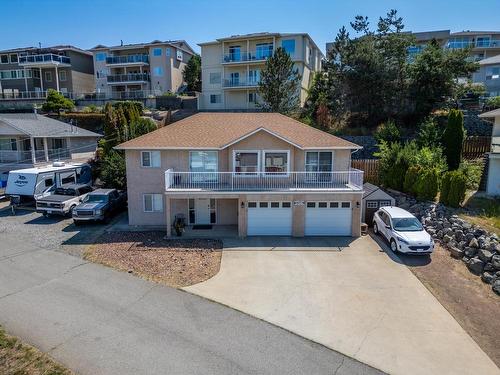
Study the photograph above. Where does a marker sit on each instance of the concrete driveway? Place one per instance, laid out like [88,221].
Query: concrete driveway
[99,321]
[359,301]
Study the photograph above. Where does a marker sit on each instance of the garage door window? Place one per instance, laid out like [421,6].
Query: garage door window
[286,204]
[372,204]
[334,204]
[263,204]
[385,203]
[252,204]
[275,204]
[311,204]
[346,204]
[322,204]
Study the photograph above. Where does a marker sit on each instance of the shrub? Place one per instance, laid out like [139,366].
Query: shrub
[395,159]
[453,188]
[427,184]
[472,170]
[411,177]
[127,104]
[429,158]
[90,121]
[430,133]
[113,170]
[56,102]
[388,132]
[493,102]
[453,138]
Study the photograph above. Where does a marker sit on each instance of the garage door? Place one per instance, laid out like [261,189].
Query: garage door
[328,219]
[269,219]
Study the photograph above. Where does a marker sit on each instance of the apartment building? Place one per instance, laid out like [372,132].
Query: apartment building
[489,75]
[27,73]
[140,70]
[231,67]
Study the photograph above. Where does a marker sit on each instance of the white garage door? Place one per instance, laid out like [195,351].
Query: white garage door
[269,219]
[328,219]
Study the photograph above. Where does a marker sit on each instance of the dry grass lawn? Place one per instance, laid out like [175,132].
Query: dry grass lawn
[174,262]
[17,358]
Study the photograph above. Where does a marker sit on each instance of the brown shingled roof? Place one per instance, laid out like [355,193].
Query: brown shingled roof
[219,130]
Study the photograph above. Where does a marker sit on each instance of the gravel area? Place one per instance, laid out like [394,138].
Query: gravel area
[464,295]
[176,263]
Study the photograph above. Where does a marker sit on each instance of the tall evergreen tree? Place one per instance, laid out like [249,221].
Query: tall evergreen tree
[192,73]
[279,87]
[453,138]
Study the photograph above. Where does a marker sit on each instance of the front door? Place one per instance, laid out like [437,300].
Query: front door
[202,208]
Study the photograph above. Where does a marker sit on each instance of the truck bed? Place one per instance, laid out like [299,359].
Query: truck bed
[56,198]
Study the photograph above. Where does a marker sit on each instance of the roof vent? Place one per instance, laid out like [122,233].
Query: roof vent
[58,164]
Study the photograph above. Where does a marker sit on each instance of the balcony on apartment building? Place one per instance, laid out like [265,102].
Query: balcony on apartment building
[120,79]
[351,180]
[44,60]
[238,56]
[471,43]
[240,83]
[128,60]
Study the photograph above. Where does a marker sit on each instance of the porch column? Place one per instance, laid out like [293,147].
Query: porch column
[242,217]
[168,217]
[41,79]
[33,155]
[57,79]
[26,80]
[46,149]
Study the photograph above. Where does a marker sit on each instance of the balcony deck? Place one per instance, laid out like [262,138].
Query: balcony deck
[291,182]
[44,60]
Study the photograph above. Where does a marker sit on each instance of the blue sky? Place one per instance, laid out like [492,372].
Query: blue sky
[86,23]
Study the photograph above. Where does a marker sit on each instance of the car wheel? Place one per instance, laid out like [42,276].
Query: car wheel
[394,246]
[76,222]
[70,212]
[375,228]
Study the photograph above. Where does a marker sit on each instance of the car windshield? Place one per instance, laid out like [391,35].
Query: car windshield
[95,198]
[63,191]
[407,224]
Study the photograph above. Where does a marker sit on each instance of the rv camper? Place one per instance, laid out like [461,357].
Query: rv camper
[32,183]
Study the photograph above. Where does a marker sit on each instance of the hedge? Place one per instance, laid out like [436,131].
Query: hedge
[411,177]
[453,188]
[89,121]
[427,185]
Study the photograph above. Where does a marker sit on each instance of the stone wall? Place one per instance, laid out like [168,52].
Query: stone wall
[477,248]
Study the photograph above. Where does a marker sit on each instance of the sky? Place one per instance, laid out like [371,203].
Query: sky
[86,23]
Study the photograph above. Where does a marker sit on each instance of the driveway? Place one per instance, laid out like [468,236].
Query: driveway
[359,301]
[96,320]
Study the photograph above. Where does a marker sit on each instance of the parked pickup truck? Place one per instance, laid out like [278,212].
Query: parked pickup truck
[63,200]
[100,205]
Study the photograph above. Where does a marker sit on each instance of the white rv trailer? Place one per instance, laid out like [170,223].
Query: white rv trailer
[32,183]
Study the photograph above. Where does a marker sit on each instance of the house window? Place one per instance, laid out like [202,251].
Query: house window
[252,97]
[288,45]
[372,204]
[48,76]
[234,53]
[385,203]
[234,79]
[156,51]
[246,162]
[276,162]
[8,144]
[13,58]
[253,77]
[215,78]
[215,98]
[167,52]
[62,75]
[153,202]
[179,55]
[319,161]
[101,56]
[150,159]
[203,161]
[158,71]
[493,72]
[4,59]
[264,50]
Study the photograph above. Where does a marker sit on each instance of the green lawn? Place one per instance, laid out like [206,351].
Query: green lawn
[17,358]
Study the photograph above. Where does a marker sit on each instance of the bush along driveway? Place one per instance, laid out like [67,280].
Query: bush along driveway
[478,248]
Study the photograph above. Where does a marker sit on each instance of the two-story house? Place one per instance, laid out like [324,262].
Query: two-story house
[140,70]
[493,183]
[260,173]
[231,67]
[489,75]
[27,73]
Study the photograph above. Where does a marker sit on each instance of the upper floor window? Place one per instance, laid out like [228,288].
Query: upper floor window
[264,50]
[288,45]
[276,162]
[319,161]
[150,159]
[493,72]
[234,53]
[13,58]
[179,55]
[203,161]
[156,51]
[215,78]
[100,56]
[246,162]
[158,71]
[167,52]
[48,76]
[4,59]
[62,75]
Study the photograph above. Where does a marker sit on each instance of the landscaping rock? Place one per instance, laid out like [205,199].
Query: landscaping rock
[476,266]
[488,277]
[470,251]
[456,252]
[474,243]
[485,255]
[447,238]
[495,261]
[489,267]
[496,286]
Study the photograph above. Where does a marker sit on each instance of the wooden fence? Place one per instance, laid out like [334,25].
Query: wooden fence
[475,147]
[370,167]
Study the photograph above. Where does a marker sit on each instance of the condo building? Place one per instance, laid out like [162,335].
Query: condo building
[231,67]
[139,70]
[27,73]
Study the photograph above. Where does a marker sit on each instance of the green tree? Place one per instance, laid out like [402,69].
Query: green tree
[56,102]
[192,73]
[279,87]
[388,132]
[430,133]
[113,173]
[453,138]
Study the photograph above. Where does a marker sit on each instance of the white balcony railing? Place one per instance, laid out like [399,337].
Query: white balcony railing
[251,82]
[244,56]
[264,181]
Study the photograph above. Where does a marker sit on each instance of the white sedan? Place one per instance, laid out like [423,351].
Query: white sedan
[403,231]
